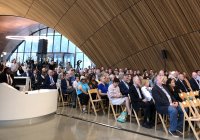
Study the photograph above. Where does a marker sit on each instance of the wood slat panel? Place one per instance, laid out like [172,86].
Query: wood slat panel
[48,12]
[14,7]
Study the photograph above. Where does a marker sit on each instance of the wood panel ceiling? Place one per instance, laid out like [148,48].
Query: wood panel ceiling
[122,33]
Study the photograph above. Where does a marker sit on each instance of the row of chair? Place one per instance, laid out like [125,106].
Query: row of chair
[192,116]
[189,101]
[97,104]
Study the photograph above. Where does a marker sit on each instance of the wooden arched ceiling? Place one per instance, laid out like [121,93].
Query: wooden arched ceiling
[122,33]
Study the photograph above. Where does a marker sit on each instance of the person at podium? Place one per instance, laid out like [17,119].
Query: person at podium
[7,77]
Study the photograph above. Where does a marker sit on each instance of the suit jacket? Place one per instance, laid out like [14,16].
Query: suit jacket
[55,77]
[135,100]
[47,83]
[161,101]
[25,74]
[3,78]
[181,87]
[35,82]
[123,89]
[64,86]
[194,85]
[41,81]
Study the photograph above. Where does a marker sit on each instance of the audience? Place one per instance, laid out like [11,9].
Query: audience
[158,91]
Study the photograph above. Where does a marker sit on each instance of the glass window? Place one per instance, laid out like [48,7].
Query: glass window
[71,47]
[69,57]
[20,57]
[57,33]
[36,34]
[79,56]
[78,50]
[87,61]
[26,56]
[58,58]
[28,46]
[50,43]
[64,45]
[35,46]
[56,46]
[65,50]
[13,56]
[43,32]
[50,31]
[21,47]
[34,56]
[50,56]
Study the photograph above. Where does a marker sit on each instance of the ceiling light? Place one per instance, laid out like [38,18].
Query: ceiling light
[27,38]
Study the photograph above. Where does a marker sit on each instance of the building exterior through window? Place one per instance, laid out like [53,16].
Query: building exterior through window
[59,49]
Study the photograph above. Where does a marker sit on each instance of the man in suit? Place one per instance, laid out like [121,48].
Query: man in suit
[138,101]
[194,82]
[27,73]
[123,85]
[166,104]
[49,82]
[7,77]
[35,80]
[68,89]
[41,78]
[181,84]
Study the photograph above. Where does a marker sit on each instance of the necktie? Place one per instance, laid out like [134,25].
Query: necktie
[184,86]
[197,83]
[52,82]
[126,85]
[138,91]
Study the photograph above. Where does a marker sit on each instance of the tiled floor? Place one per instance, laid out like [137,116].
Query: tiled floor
[73,125]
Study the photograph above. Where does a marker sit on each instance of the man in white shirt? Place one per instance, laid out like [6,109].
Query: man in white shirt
[14,66]
[75,83]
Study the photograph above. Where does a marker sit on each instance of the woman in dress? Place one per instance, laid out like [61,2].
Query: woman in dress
[116,97]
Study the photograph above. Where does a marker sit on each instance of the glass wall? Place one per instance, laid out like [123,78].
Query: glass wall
[59,49]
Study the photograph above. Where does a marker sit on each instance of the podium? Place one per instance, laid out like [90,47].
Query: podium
[24,83]
[16,105]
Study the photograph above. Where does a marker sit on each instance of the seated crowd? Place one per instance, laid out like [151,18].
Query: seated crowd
[147,91]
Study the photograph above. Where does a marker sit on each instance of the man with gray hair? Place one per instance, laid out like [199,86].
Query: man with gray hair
[138,101]
[49,81]
[166,104]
